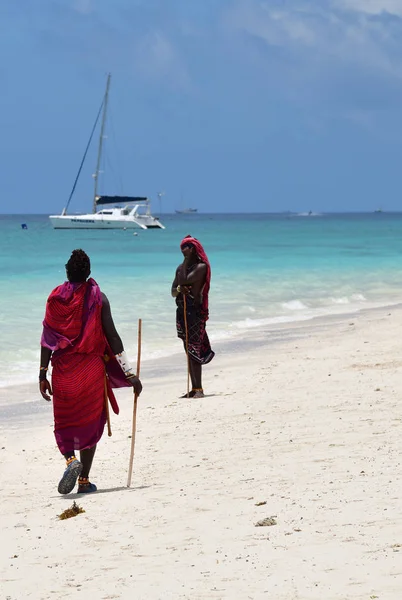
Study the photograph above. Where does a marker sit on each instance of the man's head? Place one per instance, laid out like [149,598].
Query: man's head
[78,267]
[187,247]
[188,250]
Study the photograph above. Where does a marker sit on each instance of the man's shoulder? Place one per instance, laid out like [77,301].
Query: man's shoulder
[57,291]
[104,298]
[201,268]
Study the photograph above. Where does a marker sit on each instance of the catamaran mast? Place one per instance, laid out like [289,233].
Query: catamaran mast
[96,175]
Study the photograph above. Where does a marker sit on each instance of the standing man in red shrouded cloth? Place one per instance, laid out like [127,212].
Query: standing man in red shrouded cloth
[78,333]
[192,280]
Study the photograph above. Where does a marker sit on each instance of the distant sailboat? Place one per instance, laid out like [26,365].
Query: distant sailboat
[186,211]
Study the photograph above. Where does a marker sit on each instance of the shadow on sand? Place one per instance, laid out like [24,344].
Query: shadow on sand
[204,396]
[121,488]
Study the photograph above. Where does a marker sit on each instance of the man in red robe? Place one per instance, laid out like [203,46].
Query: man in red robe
[190,287]
[78,331]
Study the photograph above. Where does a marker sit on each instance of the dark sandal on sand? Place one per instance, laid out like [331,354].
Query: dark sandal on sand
[85,486]
[195,393]
[68,481]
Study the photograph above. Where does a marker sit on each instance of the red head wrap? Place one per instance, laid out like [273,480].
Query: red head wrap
[202,257]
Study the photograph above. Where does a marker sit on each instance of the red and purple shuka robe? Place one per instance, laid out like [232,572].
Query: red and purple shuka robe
[72,329]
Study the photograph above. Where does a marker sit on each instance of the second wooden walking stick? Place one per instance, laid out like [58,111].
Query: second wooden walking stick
[130,467]
[188,358]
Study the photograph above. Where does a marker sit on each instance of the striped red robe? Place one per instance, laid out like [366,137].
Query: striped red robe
[72,329]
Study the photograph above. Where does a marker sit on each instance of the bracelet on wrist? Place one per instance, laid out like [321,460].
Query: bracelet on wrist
[129,374]
[124,363]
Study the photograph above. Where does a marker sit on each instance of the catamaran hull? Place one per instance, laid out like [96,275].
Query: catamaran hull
[88,222]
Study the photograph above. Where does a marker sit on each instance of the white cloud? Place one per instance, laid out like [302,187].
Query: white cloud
[371,7]
[83,6]
[318,33]
[157,58]
[273,26]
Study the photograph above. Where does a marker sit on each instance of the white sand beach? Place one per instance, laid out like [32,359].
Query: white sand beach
[307,430]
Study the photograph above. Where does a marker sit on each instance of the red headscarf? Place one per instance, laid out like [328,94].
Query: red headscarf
[204,259]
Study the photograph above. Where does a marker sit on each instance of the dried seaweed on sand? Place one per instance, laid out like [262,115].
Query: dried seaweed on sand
[73,511]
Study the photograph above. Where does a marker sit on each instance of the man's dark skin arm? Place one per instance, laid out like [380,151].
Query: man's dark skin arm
[114,339]
[109,329]
[175,283]
[44,386]
[183,289]
[195,280]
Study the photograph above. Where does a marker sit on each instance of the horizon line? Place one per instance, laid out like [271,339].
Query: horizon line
[194,216]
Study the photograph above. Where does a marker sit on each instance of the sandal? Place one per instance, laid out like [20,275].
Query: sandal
[85,486]
[70,475]
[194,393]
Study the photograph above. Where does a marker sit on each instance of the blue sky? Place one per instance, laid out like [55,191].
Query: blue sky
[232,105]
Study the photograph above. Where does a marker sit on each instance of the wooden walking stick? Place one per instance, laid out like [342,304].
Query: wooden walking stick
[109,429]
[130,467]
[188,358]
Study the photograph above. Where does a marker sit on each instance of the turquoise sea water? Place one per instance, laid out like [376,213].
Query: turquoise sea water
[266,269]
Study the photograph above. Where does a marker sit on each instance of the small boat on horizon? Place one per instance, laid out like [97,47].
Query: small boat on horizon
[310,213]
[186,211]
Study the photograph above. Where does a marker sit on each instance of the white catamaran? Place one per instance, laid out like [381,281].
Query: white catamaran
[117,212]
